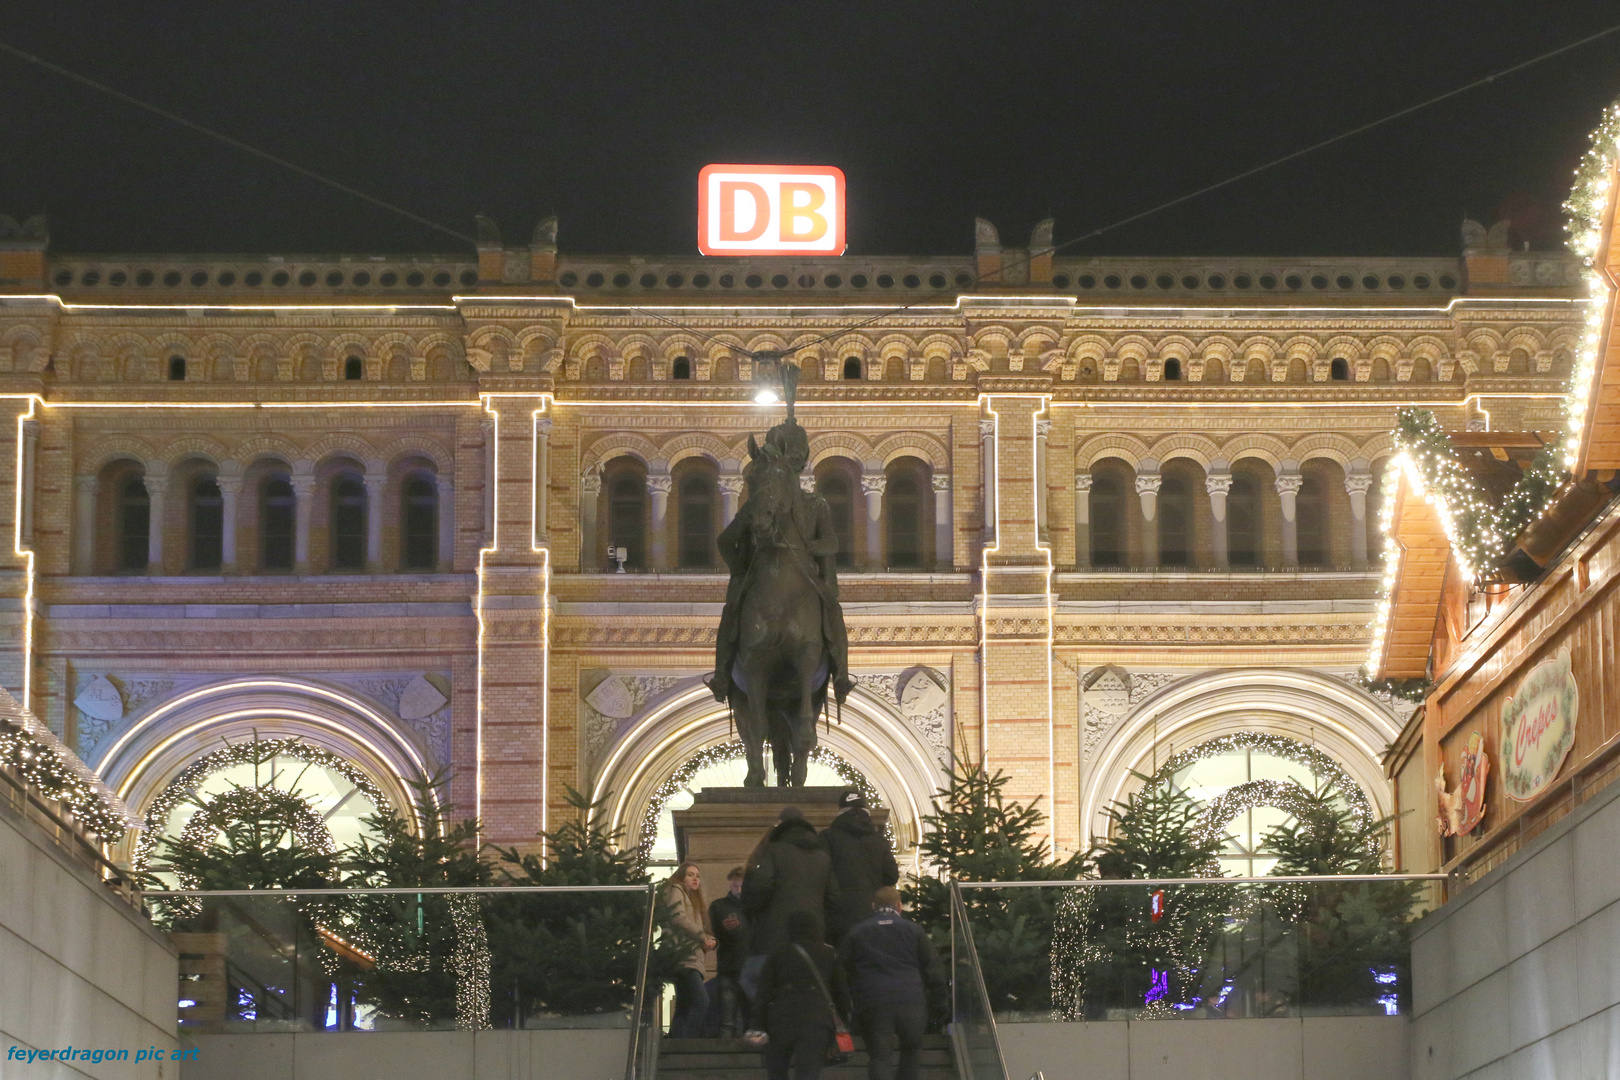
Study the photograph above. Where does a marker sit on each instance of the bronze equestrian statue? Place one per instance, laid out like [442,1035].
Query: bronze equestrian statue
[782,641]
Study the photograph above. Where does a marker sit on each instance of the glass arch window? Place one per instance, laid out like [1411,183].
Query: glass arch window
[348,523]
[207,521]
[134,525]
[697,523]
[681,369]
[419,524]
[852,368]
[278,515]
[1231,763]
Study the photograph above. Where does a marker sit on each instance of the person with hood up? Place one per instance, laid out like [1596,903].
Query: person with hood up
[862,863]
[789,871]
[798,1019]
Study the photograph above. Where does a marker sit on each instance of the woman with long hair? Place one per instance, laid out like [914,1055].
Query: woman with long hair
[683,894]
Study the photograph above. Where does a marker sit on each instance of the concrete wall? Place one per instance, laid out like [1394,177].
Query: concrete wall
[1520,976]
[78,967]
[1316,1048]
[586,1054]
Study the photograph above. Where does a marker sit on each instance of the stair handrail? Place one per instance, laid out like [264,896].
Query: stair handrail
[959,1036]
[642,1033]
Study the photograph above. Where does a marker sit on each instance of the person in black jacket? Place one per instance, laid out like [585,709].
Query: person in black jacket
[797,1018]
[896,974]
[729,925]
[862,863]
[791,871]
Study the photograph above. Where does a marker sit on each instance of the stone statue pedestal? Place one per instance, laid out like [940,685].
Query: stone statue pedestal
[723,825]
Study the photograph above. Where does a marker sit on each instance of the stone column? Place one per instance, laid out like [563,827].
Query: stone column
[731,486]
[303,485]
[659,485]
[1082,520]
[1288,485]
[590,487]
[1043,428]
[943,556]
[84,524]
[872,485]
[376,484]
[1147,487]
[230,486]
[1218,484]
[987,474]
[1357,484]
[447,524]
[542,481]
[157,485]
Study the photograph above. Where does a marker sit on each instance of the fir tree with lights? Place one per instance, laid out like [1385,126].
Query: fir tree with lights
[978,834]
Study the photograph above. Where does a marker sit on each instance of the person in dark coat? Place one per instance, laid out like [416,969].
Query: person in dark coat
[862,863]
[729,924]
[896,974]
[791,871]
[796,1014]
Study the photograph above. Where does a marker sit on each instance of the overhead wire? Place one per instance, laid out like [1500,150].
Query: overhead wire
[228,140]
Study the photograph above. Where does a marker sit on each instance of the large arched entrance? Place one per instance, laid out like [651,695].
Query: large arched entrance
[873,743]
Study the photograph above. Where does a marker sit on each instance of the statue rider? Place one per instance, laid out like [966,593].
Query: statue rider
[736,546]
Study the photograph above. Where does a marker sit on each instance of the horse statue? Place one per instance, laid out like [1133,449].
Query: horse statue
[782,642]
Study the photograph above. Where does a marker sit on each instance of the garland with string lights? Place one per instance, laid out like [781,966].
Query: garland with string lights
[1326,770]
[1586,208]
[722,753]
[251,752]
[52,772]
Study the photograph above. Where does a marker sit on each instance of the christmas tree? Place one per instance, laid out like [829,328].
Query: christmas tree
[980,835]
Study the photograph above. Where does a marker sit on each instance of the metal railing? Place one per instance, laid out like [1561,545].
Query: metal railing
[976,1045]
[641,1058]
[414,958]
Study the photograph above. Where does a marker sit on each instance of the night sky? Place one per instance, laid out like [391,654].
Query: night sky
[603,113]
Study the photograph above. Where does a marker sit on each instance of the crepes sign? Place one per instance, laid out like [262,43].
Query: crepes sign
[1538,728]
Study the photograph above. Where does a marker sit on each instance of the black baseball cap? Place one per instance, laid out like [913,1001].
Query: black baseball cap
[851,799]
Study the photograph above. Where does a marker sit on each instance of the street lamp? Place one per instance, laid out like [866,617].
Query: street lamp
[775,379]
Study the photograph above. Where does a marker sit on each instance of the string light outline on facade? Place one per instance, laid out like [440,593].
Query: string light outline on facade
[540,489]
[494,482]
[27,555]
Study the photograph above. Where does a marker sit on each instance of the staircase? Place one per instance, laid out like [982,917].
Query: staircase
[729,1059]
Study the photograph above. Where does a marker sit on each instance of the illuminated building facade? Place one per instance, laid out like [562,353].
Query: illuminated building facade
[1100,516]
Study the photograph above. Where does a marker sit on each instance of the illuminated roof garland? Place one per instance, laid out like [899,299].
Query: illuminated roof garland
[1478,531]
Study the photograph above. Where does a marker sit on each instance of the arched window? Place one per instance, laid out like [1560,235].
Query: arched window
[681,369]
[419,524]
[134,524]
[1175,514]
[1172,370]
[1107,521]
[207,521]
[1339,370]
[1311,522]
[903,499]
[278,518]
[627,516]
[353,369]
[1243,517]
[836,490]
[697,523]
[348,523]
[852,367]
[177,369]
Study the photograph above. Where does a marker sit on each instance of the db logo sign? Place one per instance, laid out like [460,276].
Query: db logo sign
[771,210]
